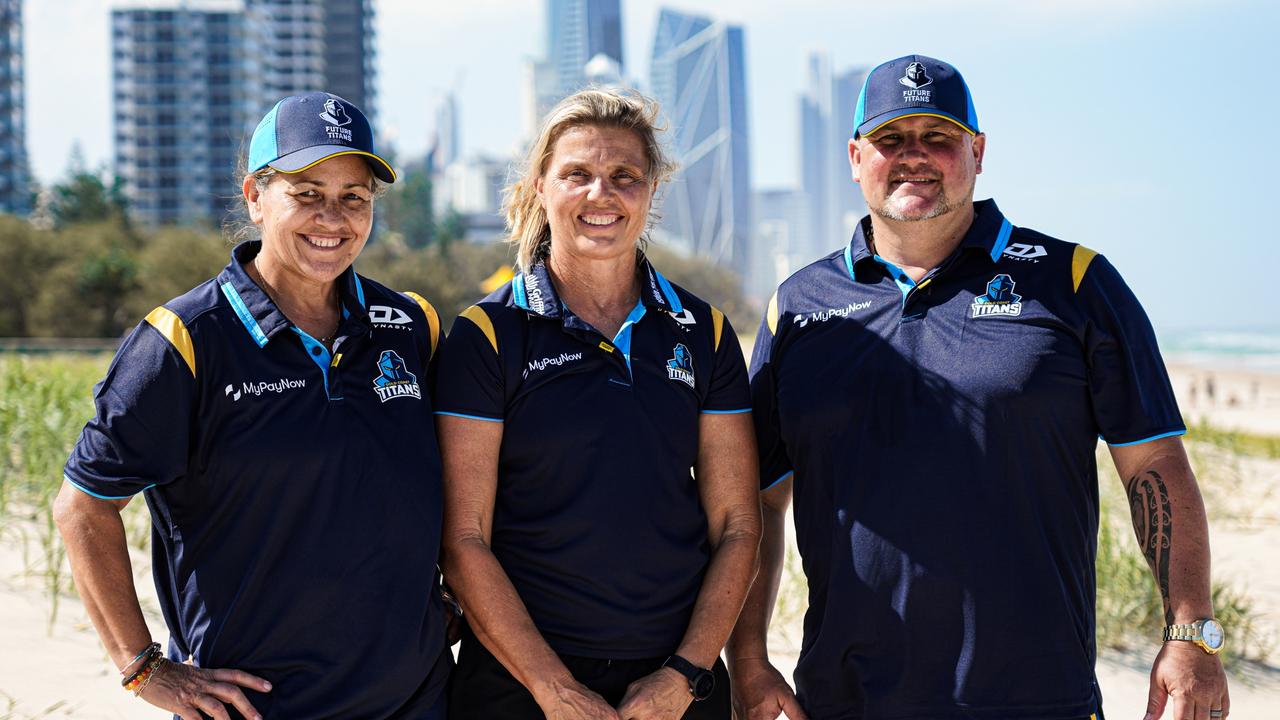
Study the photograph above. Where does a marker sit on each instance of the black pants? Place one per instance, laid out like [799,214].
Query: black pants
[482,689]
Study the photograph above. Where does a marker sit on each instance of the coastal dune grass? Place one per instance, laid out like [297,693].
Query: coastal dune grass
[46,400]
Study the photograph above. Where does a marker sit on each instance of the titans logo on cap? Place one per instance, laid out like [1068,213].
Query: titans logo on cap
[915,77]
[335,114]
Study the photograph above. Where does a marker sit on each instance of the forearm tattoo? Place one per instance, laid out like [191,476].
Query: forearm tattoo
[1153,524]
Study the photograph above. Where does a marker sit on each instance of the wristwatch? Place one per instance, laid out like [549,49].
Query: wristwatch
[1207,633]
[701,682]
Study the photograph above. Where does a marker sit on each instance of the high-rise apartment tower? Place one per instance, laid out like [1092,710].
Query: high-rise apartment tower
[15,187]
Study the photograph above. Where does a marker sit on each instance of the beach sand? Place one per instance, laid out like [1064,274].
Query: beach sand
[1230,398]
[60,670]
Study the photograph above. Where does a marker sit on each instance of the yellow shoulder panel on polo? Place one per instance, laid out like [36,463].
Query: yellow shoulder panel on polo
[771,315]
[1080,260]
[175,331]
[433,319]
[717,324]
[480,318]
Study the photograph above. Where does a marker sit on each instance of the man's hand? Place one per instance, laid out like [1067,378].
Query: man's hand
[761,693]
[661,695]
[1194,680]
[573,701]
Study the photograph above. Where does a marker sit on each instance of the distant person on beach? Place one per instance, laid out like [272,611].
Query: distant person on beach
[599,577]
[278,421]
[933,393]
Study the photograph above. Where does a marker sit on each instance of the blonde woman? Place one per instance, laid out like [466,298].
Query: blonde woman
[600,578]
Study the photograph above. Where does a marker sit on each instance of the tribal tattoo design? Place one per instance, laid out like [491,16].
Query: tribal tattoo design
[1153,524]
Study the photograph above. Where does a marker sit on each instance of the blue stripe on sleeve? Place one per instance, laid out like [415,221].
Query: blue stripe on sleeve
[469,417]
[726,412]
[775,482]
[87,491]
[1171,433]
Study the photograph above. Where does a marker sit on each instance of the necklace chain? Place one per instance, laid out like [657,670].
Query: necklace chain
[266,286]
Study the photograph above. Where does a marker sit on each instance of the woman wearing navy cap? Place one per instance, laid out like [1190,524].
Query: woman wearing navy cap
[602,521]
[277,420]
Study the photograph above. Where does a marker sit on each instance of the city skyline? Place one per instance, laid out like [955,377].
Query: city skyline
[1092,108]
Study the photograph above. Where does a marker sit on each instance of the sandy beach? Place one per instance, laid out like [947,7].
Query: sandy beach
[54,670]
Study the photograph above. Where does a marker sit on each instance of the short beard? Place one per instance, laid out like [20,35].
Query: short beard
[941,207]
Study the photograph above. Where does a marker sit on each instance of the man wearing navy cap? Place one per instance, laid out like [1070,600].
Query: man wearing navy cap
[933,393]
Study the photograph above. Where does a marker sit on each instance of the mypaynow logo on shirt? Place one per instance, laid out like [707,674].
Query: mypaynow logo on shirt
[536,365]
[825,315]
[260,388]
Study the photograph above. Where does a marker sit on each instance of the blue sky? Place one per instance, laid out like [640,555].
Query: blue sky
[1145,129]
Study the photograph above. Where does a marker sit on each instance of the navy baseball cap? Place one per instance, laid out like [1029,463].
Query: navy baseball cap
[912,86]
[302,130]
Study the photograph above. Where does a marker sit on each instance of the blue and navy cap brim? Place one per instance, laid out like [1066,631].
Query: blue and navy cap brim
[306,158]
[869,127]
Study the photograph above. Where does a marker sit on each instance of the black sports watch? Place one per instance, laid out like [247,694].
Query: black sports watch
[701,682]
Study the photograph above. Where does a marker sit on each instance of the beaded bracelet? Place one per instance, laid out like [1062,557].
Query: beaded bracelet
[153,647]
[138,678]
[141,679]
[150,676]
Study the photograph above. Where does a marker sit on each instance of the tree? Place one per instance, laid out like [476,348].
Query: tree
[171,261]
[406,208]
[24,253]
[85,198]
[91,270]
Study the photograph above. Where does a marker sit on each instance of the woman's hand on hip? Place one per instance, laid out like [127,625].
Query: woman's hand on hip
[661,695]
[188,691]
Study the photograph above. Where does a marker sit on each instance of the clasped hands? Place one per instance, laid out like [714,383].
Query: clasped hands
[661,695]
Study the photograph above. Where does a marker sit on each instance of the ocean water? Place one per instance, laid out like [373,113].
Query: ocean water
[1257,350]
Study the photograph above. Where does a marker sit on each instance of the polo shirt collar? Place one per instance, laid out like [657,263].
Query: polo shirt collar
[534,292]
[257,312]
[988,235]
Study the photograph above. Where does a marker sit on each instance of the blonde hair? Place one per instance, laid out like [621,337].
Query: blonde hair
[527,225]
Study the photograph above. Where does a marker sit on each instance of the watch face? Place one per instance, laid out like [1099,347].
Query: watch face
[1213,634]
[703,685]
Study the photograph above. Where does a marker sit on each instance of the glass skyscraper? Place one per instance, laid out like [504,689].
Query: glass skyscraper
[578,31]
[181,108]
[191,81]
[349,53]
[831,203]
[698,74]
[15,187]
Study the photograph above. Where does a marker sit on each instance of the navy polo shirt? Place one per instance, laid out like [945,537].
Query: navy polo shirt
[597,519]
[295,494]
[942,436]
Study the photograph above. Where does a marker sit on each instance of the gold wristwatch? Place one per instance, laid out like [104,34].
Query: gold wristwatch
[1207,633]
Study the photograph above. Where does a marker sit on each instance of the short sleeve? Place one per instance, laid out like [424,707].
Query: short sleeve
[140,434]
[774,463]
[470,382]
[429,339]
[729,392]
[1132,397]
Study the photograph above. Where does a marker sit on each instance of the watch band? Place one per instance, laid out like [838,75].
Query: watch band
[1182,632]
[1206,634]
[701,680]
